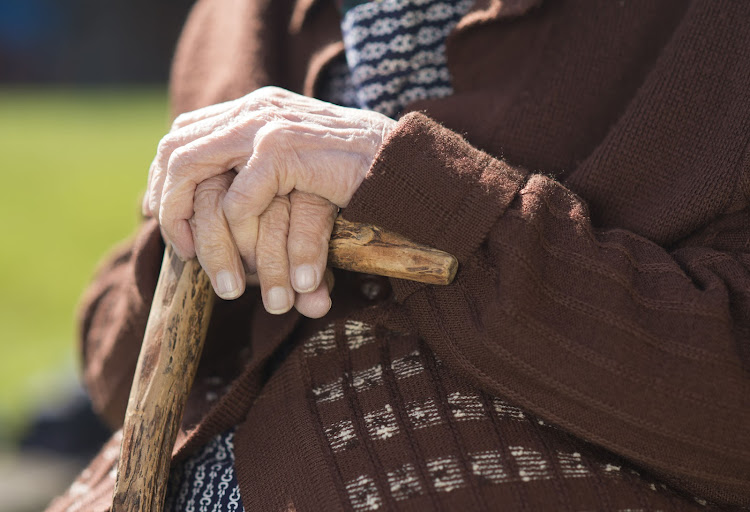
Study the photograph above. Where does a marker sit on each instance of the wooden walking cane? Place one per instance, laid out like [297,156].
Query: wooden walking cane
[174,338]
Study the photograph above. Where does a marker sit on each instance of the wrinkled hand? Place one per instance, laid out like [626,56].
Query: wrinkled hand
[253,185]
[292,230]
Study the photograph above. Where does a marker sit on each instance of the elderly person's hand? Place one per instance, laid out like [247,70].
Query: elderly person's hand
[253,185]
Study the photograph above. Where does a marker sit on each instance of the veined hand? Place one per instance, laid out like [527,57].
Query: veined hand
[252,186]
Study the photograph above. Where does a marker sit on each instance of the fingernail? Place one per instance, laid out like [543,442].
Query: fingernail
[277,300]
[305,278]
[226,285]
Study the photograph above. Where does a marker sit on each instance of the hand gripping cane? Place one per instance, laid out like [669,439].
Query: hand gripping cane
[174,339]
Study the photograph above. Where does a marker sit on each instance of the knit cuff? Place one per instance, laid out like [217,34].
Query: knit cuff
[431,186]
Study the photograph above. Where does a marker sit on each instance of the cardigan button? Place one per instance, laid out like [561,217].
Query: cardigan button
[374,288]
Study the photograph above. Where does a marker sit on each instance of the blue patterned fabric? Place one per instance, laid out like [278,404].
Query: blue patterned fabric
[394,53]
[206,482]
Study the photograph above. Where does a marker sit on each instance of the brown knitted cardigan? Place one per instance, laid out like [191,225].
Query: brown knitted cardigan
[591,173]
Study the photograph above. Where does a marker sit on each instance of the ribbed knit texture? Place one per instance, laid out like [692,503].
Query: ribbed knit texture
[590,172]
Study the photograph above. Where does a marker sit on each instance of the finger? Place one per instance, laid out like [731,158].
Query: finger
[189,165]
[173,140]
[268,174]
[188,118]
[243,222]
[271,257]
[310,226]
[213,127]
[181,121]
[316,304]
[214,246]
[287,157]
[203,122]
[259,185]
[145,208]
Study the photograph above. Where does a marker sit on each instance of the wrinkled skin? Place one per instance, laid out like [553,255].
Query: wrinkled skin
[252,187]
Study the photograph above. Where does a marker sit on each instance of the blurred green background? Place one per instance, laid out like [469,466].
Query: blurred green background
[74,164]
[83,105]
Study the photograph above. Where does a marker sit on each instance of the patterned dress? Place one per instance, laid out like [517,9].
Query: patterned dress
[395,53]
[206,482]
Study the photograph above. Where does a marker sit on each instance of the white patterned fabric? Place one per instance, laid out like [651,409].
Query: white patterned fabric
[395,54]
[206,482]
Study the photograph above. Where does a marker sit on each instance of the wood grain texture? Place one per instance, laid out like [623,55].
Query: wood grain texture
[166,368]
[369,249]
[174,338]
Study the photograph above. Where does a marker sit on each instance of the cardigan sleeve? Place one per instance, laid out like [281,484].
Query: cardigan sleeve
[113,315]
[114,312]
[628,345]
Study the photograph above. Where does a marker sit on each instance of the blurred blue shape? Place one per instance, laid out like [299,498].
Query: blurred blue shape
[25,24]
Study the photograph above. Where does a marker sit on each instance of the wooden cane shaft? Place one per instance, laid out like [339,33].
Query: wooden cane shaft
[174,338]
[170,352]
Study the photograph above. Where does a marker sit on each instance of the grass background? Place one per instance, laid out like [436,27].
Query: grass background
[74,163]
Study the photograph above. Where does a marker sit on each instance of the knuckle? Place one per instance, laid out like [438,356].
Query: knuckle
[310,232]
[261,100]
[166,209]
[271,263]
[251,108]
[171,206]
[321,226]
[206,198]
[315,208]
[167,145]
[271,91]
[166,221]
[233,131]
[214,184]
[234,205]
[213,250]
[307,242]
[305,248]
[312,229]
[281,203]
[181,121]
[306,201]
[276,215]
[179,161]
[274,230]
[276,153]
[269,135]
[241,110]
